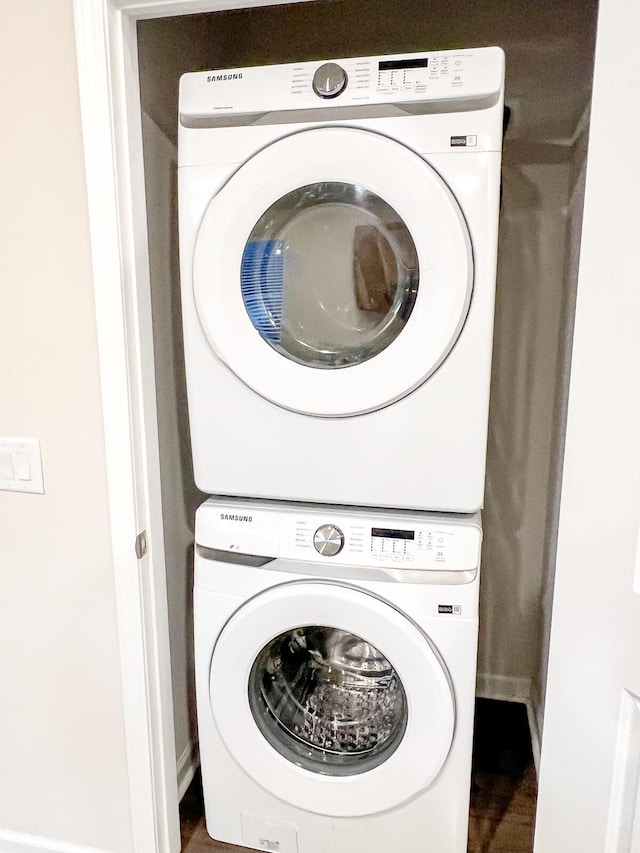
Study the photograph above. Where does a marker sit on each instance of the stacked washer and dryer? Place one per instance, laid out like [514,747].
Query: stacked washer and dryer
[338,238]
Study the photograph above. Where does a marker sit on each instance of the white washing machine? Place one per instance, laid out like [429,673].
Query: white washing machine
[335,659]
[338,232]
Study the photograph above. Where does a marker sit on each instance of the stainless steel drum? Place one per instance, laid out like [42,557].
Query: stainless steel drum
[328,700]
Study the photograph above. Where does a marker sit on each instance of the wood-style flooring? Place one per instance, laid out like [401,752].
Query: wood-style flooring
[503,788]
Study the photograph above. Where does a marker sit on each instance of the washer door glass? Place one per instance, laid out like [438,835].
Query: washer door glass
[328,700]
[329,275]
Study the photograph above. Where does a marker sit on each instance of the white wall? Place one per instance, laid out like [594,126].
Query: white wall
[63,770]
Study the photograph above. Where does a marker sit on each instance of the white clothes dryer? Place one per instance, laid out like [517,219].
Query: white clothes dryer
[338,234]
[335,654]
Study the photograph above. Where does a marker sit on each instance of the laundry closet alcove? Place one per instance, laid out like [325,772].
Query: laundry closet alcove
[549,55]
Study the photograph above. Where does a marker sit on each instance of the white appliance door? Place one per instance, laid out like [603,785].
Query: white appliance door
[331,699]
[333,272]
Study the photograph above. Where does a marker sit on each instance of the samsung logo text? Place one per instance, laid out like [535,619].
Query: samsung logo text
[228,517]
[215,78]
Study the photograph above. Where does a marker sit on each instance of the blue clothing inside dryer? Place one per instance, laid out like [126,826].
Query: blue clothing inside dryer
[261,277]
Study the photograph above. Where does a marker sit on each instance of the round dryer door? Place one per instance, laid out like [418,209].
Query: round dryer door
[333,272]
[331,699]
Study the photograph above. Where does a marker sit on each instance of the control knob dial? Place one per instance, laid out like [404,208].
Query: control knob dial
[329,80]
[328,540]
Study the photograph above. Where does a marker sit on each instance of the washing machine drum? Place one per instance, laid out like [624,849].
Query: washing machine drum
[333,271]
[331,699]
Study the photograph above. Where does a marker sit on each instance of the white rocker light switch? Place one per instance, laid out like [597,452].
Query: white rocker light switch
[21,465]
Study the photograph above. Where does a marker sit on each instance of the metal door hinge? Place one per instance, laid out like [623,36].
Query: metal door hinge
[141,544]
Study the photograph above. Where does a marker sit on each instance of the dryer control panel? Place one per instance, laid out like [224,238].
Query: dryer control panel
[328,534]
[405,80]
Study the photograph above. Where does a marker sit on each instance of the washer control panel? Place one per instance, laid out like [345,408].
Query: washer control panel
[382,538]
[468,75]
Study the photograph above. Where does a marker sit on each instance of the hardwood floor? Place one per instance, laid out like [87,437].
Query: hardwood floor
[503,788]
[503,783]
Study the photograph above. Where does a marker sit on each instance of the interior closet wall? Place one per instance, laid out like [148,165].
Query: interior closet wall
[529,295]
[179,495]
[549,48]
[577,175]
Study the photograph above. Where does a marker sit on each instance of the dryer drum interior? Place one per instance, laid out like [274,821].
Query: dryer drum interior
[329,275]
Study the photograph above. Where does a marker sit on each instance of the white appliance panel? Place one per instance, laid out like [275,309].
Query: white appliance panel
[377,540]
[410,79]
[254,795]
[331,415]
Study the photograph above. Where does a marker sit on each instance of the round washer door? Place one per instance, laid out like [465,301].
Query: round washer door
[331,699]
[333,271]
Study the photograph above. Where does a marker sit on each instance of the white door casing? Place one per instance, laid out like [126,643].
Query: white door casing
[590,763]
[107,55]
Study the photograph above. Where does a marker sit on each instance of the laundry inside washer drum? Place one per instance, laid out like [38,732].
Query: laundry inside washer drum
[328,700]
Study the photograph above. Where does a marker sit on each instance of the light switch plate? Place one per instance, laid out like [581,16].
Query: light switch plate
[21,465]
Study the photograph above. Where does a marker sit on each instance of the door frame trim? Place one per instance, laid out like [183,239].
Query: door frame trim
[107,58]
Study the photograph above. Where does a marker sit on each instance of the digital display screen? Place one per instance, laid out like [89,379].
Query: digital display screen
[393,534]
[401,64]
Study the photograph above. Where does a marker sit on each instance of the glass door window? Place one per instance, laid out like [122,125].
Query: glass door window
[328,700]
[329,275]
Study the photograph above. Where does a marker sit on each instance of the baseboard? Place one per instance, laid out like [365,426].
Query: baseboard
[504,688]
[186,767]
[19,842]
